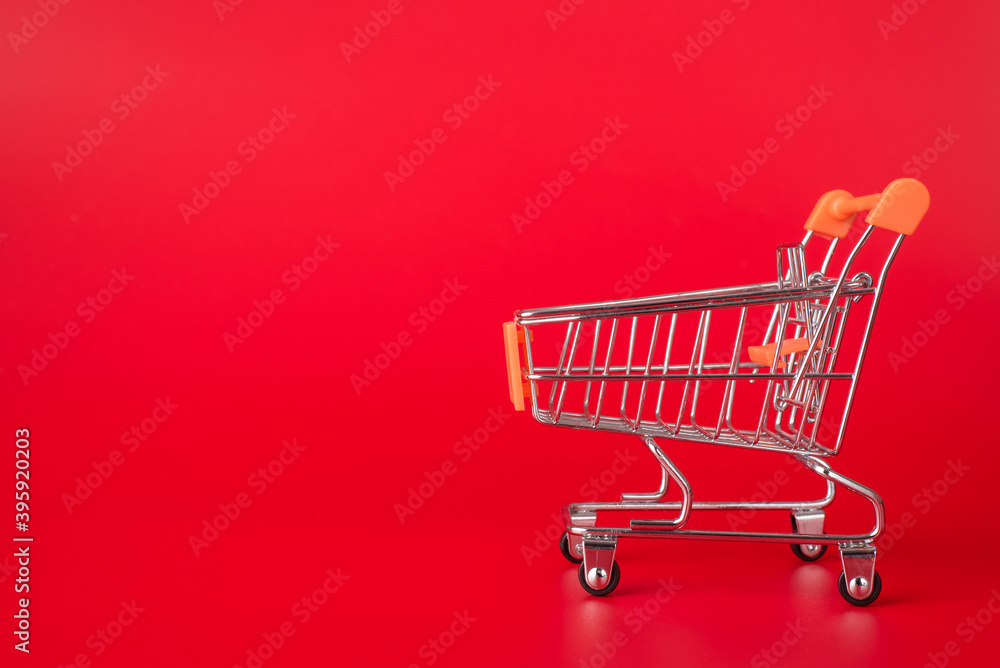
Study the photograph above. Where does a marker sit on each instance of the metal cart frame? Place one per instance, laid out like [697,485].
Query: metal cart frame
[637,354]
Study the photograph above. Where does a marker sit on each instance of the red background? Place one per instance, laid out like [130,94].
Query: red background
[324,176]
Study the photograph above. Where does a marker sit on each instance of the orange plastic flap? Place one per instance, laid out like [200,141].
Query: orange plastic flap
[764,355]
[903,204]
[826,221]
[513,336]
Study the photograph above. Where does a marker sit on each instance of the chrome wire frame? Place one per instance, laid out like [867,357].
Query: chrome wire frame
[580,519]
[815,306]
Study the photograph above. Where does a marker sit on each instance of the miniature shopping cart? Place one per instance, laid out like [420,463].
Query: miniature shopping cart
[770,366]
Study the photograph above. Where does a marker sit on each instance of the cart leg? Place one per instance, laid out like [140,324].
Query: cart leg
[599,572]
[571,544]
[822,468]
[860,583]
[668,469]
[574,516]
[650,496]
[575,546]
[810,523]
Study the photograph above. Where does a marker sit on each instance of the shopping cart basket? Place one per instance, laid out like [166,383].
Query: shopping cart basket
[649,367]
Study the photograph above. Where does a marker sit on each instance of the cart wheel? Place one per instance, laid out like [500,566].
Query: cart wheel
[876,590]
[564,548]
[806,552]
[610,587]
[809,552]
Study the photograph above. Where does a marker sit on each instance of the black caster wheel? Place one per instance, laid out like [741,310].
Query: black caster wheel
[608,588]
[876,590]
[564,548]
[806,552]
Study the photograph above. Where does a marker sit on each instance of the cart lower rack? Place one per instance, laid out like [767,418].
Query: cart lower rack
[756,366]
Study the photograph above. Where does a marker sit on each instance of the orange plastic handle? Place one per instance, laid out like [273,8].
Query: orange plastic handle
[513,336]
[899,208]
[764,355]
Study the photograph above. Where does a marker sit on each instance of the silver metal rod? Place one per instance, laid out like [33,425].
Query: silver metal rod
[649,363]
[684,376]
[631,349]
[604,376]
[763,293]
[833,297]
[666,367]
[590,368]
[864,340]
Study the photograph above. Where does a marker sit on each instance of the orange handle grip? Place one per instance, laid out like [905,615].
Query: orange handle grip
[513,336]
[764,355]
[899,208]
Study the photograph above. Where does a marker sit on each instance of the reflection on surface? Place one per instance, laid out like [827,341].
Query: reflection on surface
[811,582]
[818,601]
[861,626]
[598,628]
[590,620]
